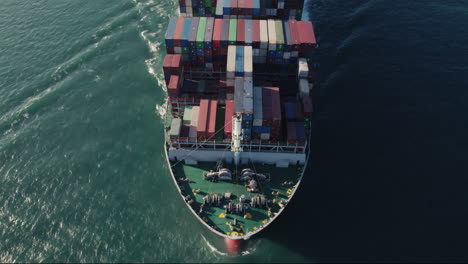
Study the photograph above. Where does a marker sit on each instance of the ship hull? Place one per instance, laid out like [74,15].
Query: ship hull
[229,240]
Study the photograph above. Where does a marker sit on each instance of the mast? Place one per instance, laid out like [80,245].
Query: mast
[236,137]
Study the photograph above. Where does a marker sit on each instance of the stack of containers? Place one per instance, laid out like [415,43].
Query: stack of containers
[202,124]
[220,43]
[295,132]
[274,9]
[211,124]
[176,126]
[187,119]
[169,38]
[228,118]
[276,43]
[203,42]
[302,74]
[247,108]
[206,123]
[192,41]
[232,31]
[271,41]
[308,41]
[243,103]
[197,8]
[293,41]
[173,73]
[260,41]
[200,42]
[184,40]
[239,64]
[172,65]
[248,32]
[271,112]
[194,123]
[259,129]
[240,32]
[208,45]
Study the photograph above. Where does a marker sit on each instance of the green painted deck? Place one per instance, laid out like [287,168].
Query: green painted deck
[191,178]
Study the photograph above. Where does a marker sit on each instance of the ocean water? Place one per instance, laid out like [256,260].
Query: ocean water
[82,170]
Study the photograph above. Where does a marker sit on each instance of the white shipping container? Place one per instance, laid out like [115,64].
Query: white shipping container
[219,7]
[248,63]
[231,62]
[188,3]
[302,68]
[263,34]
[194,122]
[304,88]
[271,34]
[178,50]
[176,125]
[230,96]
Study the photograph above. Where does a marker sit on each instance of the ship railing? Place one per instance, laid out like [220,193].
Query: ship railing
[225,145]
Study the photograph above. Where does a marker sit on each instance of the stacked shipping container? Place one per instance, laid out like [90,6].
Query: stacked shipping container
[203,42]
[197,8]
[234,41]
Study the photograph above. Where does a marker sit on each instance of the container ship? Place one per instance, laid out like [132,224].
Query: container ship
[239,75]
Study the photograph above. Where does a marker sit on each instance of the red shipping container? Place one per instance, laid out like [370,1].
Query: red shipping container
[240,31]
[234,7]
[176,65]
[307,35]
[173,87]
[203,118]
[167,64]
[218,25]
[256,34]
[178,31]
[228,118]
[212,118]
[296,40]
[242,7]
[275,103]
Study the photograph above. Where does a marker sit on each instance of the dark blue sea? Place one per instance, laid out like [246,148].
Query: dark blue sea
[83,176]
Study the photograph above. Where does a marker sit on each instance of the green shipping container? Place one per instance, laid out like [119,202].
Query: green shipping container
[201,33]
[279,35]
[233,31]
[207,3]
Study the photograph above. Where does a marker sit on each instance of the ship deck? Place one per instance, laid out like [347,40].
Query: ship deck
[190,178]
